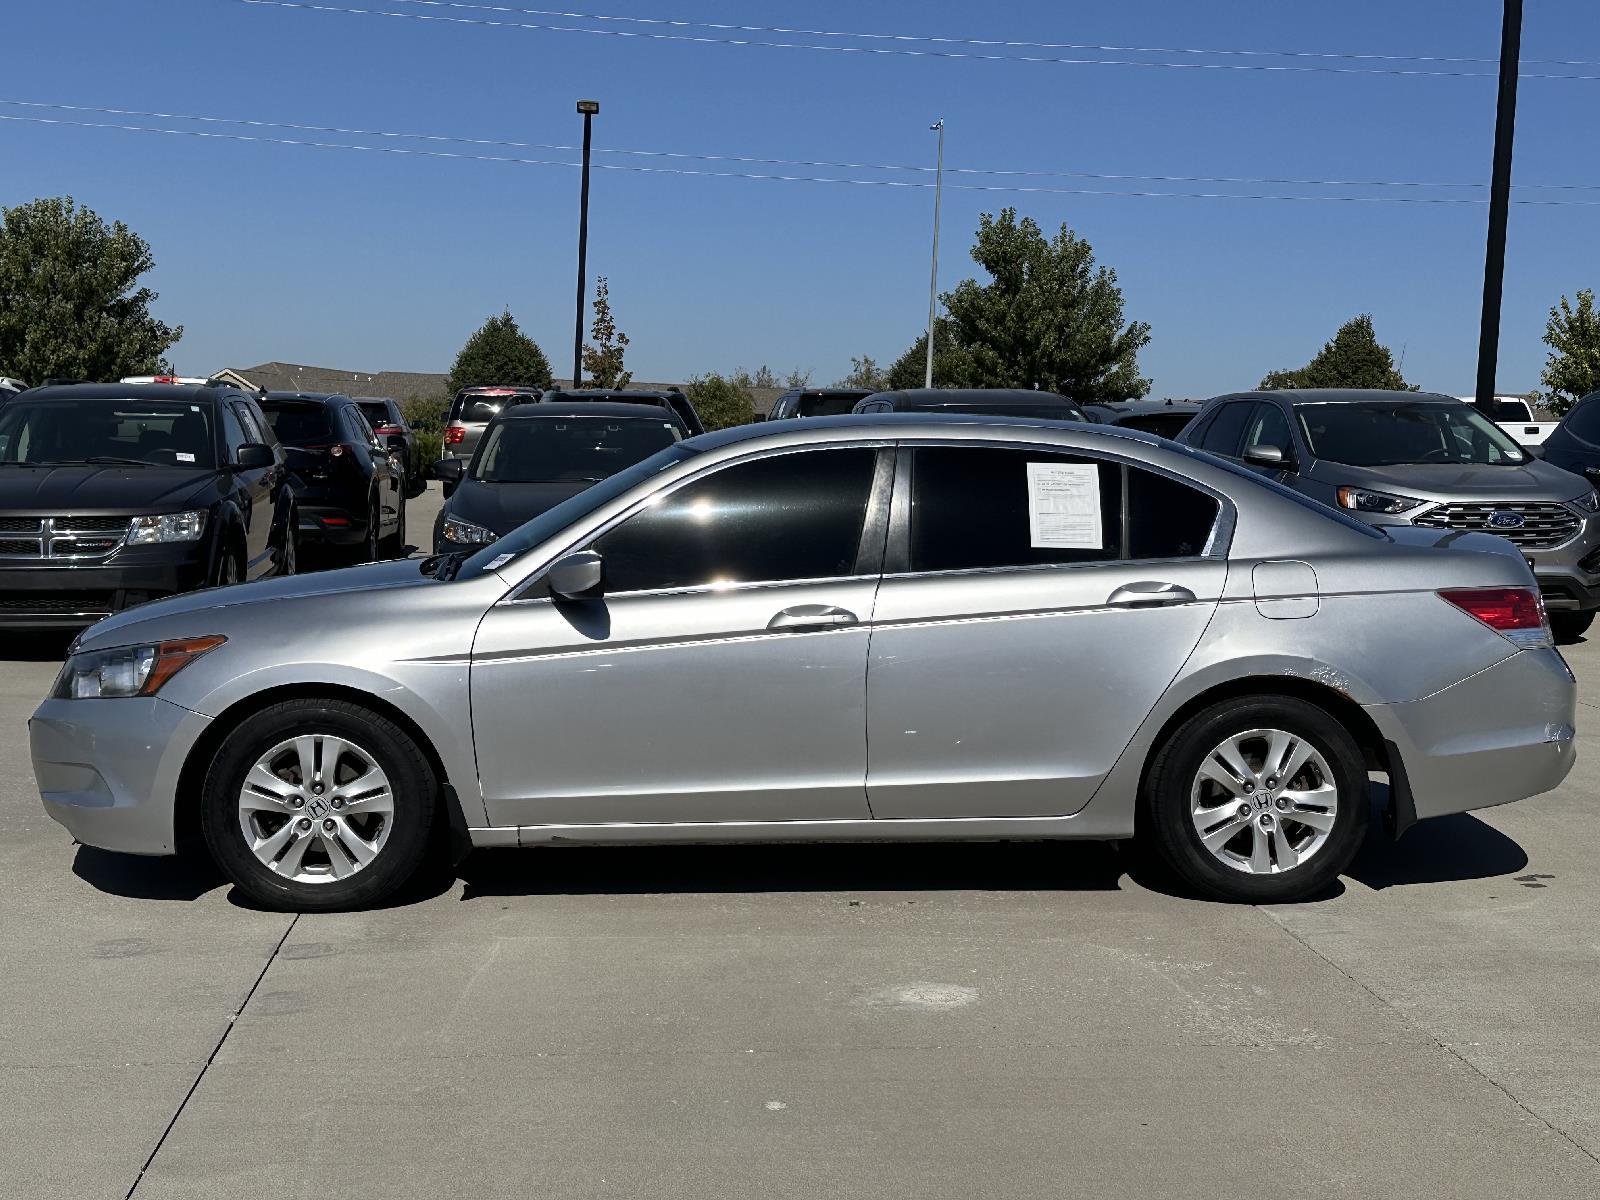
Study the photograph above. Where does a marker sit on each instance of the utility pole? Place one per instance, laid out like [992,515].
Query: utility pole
[933,281]
[588,108]
[1494,261]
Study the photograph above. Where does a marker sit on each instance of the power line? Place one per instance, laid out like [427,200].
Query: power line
[1005,43]
[971,55]
[751,160]
[784,178]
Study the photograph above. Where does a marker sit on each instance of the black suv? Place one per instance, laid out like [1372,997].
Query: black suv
[816,402]
[390,424]
[114,494]
[348,491]
[671,399]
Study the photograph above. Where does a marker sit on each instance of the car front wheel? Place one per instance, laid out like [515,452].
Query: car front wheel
[1258,800]
[319,805]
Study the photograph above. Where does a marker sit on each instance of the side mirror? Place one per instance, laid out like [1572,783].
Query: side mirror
[1270,457]
[449,470]
[253,456]
[578,576]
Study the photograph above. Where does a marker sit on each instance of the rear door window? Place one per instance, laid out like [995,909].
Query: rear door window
[1226,430]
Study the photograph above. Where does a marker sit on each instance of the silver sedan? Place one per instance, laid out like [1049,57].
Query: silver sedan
[838,629]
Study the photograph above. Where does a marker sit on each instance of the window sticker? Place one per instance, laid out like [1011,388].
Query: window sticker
[1064,506]
[184,457]
[500,560]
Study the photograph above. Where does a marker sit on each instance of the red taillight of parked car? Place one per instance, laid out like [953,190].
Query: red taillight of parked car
[454,435]
[388,430]
[1518,613]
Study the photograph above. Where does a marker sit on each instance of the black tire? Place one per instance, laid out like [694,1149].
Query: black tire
[1168,828]
[367,550]
[289,553]
[230,567]
[412,784]
[394,546]
[1570,626]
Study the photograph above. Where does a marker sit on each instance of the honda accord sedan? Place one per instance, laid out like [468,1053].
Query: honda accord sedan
[847,628]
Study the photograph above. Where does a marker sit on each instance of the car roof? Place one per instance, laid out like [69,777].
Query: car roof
[584,408]
[1340,396]
[619,394]
[307,397]
[908,425]
[828,391]
[500,389]
[127,391]
[1141,408]
[374,399]
[944,396]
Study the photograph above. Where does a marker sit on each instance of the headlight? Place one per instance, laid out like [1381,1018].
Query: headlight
[1590,502]
[168,527]
[457,530]
[1361,500]
[128,670]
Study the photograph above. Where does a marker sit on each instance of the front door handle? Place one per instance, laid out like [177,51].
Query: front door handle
[812,616]
[1149,593]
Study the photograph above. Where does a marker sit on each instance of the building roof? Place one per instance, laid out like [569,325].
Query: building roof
[298,377]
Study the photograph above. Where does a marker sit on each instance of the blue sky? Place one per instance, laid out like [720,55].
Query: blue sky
[374,261]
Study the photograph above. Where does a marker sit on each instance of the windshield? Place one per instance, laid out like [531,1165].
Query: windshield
[828,405]
[486,406]
[563,449]
[1390,434]
[552,521]
[163,433]
[377,414]
[299,424]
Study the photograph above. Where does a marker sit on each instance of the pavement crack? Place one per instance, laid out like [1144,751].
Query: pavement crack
[233,1020]
[1437,1041]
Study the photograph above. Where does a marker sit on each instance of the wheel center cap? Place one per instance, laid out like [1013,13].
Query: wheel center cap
[317,809]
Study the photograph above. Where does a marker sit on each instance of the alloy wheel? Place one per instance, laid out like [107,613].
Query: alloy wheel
[1264,801]
[316,808]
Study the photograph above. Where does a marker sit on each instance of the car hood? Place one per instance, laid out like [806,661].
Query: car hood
[78,488]
[501,507]
[122,628]
[1534,480]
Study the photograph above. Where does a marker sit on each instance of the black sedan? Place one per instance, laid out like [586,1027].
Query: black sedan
[1164,418]
[114,494]
[349,490]
[534,456]
[996,402]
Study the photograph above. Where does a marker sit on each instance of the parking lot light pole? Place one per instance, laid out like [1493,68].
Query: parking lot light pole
[1494,259]
[933,280]
[588,108]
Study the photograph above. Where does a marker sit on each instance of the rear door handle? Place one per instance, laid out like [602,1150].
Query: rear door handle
[1149,593]
[812,616]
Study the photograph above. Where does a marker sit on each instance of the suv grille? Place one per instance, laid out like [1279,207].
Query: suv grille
[70,604]
[1543,524]
[61,537]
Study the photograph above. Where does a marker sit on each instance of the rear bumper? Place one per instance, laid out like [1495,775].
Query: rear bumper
[1504,734]
[73,597]
[334,526]
[108,769]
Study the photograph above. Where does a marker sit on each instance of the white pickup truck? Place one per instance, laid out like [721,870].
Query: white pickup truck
[1515,415]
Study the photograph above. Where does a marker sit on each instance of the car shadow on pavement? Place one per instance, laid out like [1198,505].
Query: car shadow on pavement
[821,867]
[1442,850]
[136,877]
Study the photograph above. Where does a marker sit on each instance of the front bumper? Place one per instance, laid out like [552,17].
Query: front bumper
[71,597]
[1567,586]
[1504,734]
[108,769]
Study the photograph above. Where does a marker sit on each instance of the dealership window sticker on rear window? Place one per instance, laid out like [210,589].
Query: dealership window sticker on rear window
[1064,506]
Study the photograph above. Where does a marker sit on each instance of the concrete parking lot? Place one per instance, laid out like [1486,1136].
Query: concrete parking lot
[873,1021]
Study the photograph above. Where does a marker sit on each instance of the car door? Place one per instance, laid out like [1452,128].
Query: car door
[721,675]
[1035,605]
[385,478]
[1267,426]
[279,508]
[253,491]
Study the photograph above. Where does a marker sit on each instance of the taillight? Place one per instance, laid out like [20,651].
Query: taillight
[454,435]
[1515,613]
[388,430]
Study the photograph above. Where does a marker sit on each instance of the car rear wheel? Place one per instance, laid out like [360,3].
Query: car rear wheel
[367,550]
[1570,626]
[394,545]
[319,805]
[1259,800]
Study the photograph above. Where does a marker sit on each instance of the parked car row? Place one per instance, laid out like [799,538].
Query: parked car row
[112,495]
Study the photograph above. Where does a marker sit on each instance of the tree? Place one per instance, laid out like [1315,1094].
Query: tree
[500,354]
[798,378]
[1573,368]
[720,402]
[603,361]
[1353,359]
[763,378]
[1046,318]
[865,373]
[69,307]
[952,363]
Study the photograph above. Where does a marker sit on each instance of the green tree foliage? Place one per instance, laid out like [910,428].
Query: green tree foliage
[953,365]
[798,378]
[1353,359]
[865,373]
[1573,368]
[500,354]
[764,377]
[602,362]
[1048,317]
[720,402]
[69,306]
